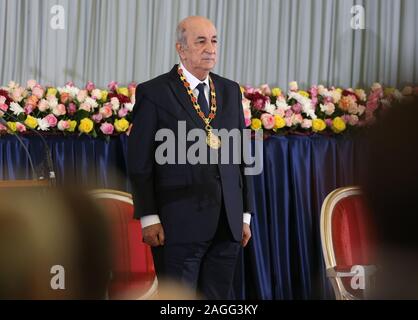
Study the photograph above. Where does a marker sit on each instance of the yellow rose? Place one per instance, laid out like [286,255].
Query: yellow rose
[339,90]
[12,126]
[303,93]
[31,122]
[276,92]
[104,95]
[52,92]
[338,125]
[389,91]
[121,125]
[318,125]
[256,124]
[86,125]
[73,125]
[279,122]
[242,89]
[123,90]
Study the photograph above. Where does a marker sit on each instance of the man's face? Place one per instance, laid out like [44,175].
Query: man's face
[199,56]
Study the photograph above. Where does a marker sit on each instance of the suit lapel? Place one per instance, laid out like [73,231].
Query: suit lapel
[181,94]
[216,123]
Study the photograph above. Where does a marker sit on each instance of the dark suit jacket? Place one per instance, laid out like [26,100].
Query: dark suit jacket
[188,198]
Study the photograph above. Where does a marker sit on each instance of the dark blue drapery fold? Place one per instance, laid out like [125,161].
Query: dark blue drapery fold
[284,259]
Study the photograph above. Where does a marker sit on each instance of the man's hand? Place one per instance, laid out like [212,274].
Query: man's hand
[153,235]
[246,234]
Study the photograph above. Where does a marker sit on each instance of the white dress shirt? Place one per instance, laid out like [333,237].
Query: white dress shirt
[194,82]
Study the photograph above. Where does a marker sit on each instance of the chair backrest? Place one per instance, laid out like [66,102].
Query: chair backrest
[133,272]
[347,238]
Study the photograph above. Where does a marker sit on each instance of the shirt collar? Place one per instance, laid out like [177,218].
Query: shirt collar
[192,79]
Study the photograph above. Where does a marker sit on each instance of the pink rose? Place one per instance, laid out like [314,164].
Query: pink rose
[106,111]
[265,89]
[82,95]
[17,94]
[297,119]
[107,128]
[328,100]
[247,114]
[43,105]
[122,112]
[71,109]
[28,109]
[63,125]
[20,127]
[113,85]
[297,108]
[346,118]
[2,128]
[267,120]
[314,91]
[31,83]
[132,88]
[353,120]
[69,84]
[90,86]
[4,107]
[52,121]
[328,122]
[306,123]
[59,110]
[279,112]
[288,113]
[97,117]
[288,121]
[247,122]
[85,107]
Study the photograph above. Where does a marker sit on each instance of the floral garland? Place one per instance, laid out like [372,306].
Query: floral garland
[319,110]
[104,113]
[68,109]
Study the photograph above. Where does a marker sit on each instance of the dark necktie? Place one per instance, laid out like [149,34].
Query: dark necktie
[201,99]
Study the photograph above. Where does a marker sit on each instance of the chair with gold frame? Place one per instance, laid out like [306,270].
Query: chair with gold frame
[347,243]
[133,272]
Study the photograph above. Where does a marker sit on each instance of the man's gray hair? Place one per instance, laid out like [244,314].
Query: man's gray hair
[181,35]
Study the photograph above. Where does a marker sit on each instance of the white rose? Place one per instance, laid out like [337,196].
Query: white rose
[293,86]
[115,103]
[269,108]
[91,102]
[376,86]
[129,106]
[246,104]
[361,109]
[97,94]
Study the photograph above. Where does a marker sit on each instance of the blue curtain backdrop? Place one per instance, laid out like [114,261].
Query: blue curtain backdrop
[284,259]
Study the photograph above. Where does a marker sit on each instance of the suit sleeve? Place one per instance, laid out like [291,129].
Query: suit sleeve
[141,147]
[247,188]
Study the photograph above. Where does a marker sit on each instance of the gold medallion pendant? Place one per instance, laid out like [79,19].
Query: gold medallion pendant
[213,140]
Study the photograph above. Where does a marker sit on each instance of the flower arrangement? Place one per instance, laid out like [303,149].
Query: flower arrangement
[68,109]
[318,110]
[96,112]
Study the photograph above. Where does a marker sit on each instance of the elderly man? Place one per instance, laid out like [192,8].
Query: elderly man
[195,216]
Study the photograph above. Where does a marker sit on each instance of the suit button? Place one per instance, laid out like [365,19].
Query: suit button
[218,177]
